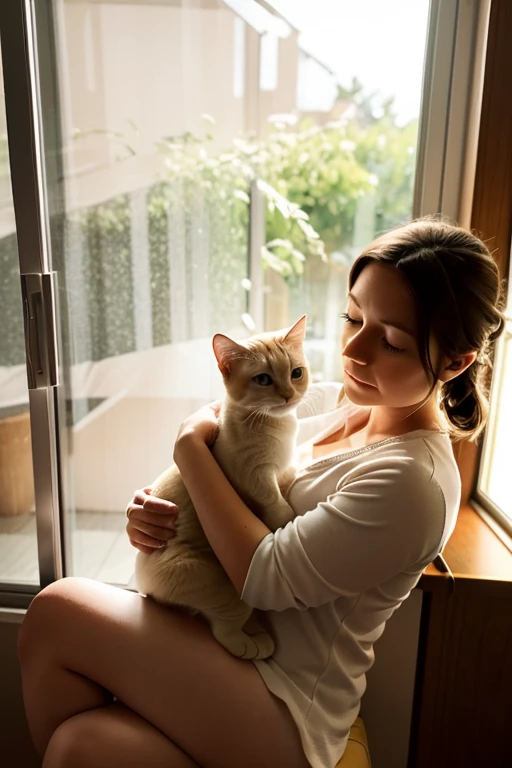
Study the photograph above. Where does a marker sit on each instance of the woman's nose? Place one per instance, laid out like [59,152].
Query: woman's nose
[356,348]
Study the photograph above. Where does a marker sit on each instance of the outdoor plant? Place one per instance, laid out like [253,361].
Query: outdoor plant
[311,178]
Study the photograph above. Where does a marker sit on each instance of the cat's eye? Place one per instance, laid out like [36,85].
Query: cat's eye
[263,379]
[297,373]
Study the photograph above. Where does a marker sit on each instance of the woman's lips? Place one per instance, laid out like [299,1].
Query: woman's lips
[358,381]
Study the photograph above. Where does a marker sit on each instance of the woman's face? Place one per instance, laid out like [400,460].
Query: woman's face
[381,361]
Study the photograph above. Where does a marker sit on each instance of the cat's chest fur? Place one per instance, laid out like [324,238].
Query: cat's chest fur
[257,456]
[265,442]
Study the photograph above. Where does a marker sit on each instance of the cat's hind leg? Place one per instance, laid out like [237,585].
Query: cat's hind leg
[229,617]
[233,626]
[201,583]
[259,634]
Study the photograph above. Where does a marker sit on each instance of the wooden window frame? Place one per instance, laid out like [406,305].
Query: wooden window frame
[479,552]
[491,215]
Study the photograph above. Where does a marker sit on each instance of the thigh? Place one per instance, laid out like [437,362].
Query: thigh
[112,736]
[168,668]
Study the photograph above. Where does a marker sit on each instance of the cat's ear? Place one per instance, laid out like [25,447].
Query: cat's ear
[226,350]
[295,335]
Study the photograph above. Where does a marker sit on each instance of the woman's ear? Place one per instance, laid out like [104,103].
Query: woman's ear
[455,367]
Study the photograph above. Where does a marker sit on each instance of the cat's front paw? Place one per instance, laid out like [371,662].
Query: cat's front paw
[264,644]
[241,644]
[251,647]
[261,637]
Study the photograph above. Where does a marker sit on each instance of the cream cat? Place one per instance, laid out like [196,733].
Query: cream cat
[265,378]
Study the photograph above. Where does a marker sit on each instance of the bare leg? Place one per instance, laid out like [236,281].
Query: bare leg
[83,642]
[112,736]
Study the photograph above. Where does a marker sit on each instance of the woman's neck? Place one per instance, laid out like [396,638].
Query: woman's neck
[391,422]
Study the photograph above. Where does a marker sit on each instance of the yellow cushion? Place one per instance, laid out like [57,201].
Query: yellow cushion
[356,754]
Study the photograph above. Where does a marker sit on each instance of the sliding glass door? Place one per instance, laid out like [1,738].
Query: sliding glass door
[154,244]
[192,168]
[18,539]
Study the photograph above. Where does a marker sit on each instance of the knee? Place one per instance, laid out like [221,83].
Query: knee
[72,744]
[46,612]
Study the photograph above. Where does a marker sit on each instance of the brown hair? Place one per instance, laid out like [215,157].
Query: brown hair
[455,284]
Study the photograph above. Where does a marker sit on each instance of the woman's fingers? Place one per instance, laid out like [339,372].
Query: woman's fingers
[144,542]
[202,424]
[152,505]
[141,495]
[156,525]
[151,521]
[158,506]
[147,538]
[151,532]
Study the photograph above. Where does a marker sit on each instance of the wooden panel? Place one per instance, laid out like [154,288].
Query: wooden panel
[476,556]
[491,216]
[492,200]
[464,675]
[464,688]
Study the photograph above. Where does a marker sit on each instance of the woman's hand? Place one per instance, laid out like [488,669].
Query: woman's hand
[151,521]
[203,426]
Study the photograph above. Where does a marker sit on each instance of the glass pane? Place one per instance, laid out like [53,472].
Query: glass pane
[342,153]
[495,477]
[183,127]
[18,545]
[152,246]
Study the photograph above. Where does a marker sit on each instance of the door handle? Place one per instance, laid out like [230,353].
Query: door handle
[38,294]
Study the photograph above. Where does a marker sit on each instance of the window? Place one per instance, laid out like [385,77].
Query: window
[191,187]
[167,169]
[18,543]
[494,477]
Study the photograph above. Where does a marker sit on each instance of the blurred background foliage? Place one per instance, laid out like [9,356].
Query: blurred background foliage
[311,177]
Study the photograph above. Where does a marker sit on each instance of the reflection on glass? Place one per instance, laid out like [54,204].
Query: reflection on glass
[180,121]
[18,546]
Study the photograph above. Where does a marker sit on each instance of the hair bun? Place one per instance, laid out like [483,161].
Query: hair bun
[462,400]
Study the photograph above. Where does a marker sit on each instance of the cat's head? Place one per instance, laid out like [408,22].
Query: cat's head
[267,372]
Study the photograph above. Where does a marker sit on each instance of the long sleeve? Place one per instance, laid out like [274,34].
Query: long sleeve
[386,513]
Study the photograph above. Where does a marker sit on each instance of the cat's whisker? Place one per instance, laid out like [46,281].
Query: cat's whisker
[308,404]
[251,419]
[263,414]
[257,417]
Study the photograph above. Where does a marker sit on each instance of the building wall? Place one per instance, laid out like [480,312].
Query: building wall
[151,71]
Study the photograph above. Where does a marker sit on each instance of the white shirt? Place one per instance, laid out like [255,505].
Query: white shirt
[368,521]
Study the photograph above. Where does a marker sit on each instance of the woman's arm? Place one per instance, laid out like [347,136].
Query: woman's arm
[232,530]
[385,517]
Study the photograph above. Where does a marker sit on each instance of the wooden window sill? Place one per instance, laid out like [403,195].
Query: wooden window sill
[479,561]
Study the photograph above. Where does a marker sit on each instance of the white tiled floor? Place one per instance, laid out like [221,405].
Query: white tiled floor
[100,548]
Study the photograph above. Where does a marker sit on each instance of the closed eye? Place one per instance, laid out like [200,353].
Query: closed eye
[385,342]
[263,379]
[346,317]
[297,373]
[390,347]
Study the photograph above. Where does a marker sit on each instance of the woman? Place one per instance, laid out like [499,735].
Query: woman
[110,678]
